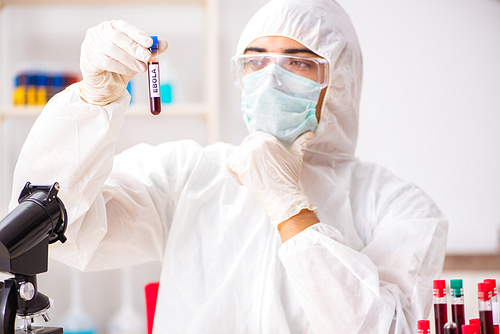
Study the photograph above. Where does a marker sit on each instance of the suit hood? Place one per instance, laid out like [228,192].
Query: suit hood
[326,29]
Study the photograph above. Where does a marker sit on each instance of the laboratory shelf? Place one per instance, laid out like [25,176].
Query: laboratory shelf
[98,2]
[177,110]
[134,110]
[19,112]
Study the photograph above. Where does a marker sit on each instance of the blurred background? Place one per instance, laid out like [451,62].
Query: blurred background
[430,107]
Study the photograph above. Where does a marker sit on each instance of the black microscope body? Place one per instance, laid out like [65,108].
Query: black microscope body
[40,219]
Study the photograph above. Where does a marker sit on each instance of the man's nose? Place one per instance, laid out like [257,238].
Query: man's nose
[271,78]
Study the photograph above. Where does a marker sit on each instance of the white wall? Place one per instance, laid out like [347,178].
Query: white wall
[429,111]
[431,105]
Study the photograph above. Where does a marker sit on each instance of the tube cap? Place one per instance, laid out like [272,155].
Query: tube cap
[468,329]
[483,291]
[475,322]
[154,47]
[456,286]
[439,286]
[493,286]
[423,325]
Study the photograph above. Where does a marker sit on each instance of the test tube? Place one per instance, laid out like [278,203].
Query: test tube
[41,94]
[494,304]
[154,78]
[31,90]
[440,306]
[485,311]
[20,91]
[457,303]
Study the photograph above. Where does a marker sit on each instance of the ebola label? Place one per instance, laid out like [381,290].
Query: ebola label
[154,80]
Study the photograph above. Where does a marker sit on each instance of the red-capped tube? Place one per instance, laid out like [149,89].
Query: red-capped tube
[440,306]
[494,304]
[485,311]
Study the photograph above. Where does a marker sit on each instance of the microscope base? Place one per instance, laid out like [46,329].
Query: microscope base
[41,330]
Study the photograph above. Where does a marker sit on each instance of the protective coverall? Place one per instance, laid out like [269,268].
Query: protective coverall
[367,267]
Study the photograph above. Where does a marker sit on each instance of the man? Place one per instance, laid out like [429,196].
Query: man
[286,233]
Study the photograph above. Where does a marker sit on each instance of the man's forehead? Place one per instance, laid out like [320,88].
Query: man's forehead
[277,44]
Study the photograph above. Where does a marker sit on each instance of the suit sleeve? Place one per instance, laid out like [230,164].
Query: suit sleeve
[384,288]
[113,221]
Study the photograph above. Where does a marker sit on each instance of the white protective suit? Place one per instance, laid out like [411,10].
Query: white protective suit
[366,268]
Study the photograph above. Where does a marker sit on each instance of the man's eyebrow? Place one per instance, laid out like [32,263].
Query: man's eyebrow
[262,50]
[289,51]
[302,50]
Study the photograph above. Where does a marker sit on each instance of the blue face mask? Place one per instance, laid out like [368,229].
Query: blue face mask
[274,110]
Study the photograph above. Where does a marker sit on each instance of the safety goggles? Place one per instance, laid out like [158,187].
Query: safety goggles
[314,69]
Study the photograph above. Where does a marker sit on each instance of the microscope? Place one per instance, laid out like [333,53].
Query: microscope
[40,219]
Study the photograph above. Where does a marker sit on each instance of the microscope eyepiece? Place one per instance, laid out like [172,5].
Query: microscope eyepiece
[39,219]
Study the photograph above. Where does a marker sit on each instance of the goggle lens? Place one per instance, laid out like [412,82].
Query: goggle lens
[314,69]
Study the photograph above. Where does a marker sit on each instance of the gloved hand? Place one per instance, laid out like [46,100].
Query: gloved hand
[111,55]
[271,173]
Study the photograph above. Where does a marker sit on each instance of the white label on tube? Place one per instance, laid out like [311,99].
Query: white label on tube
[496,319]
[154,80]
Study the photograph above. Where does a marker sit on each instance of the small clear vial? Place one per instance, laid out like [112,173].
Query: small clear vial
[450,328]
[154,78]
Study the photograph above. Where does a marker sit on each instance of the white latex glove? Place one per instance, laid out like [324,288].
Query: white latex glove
[271,173]
[111,55]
